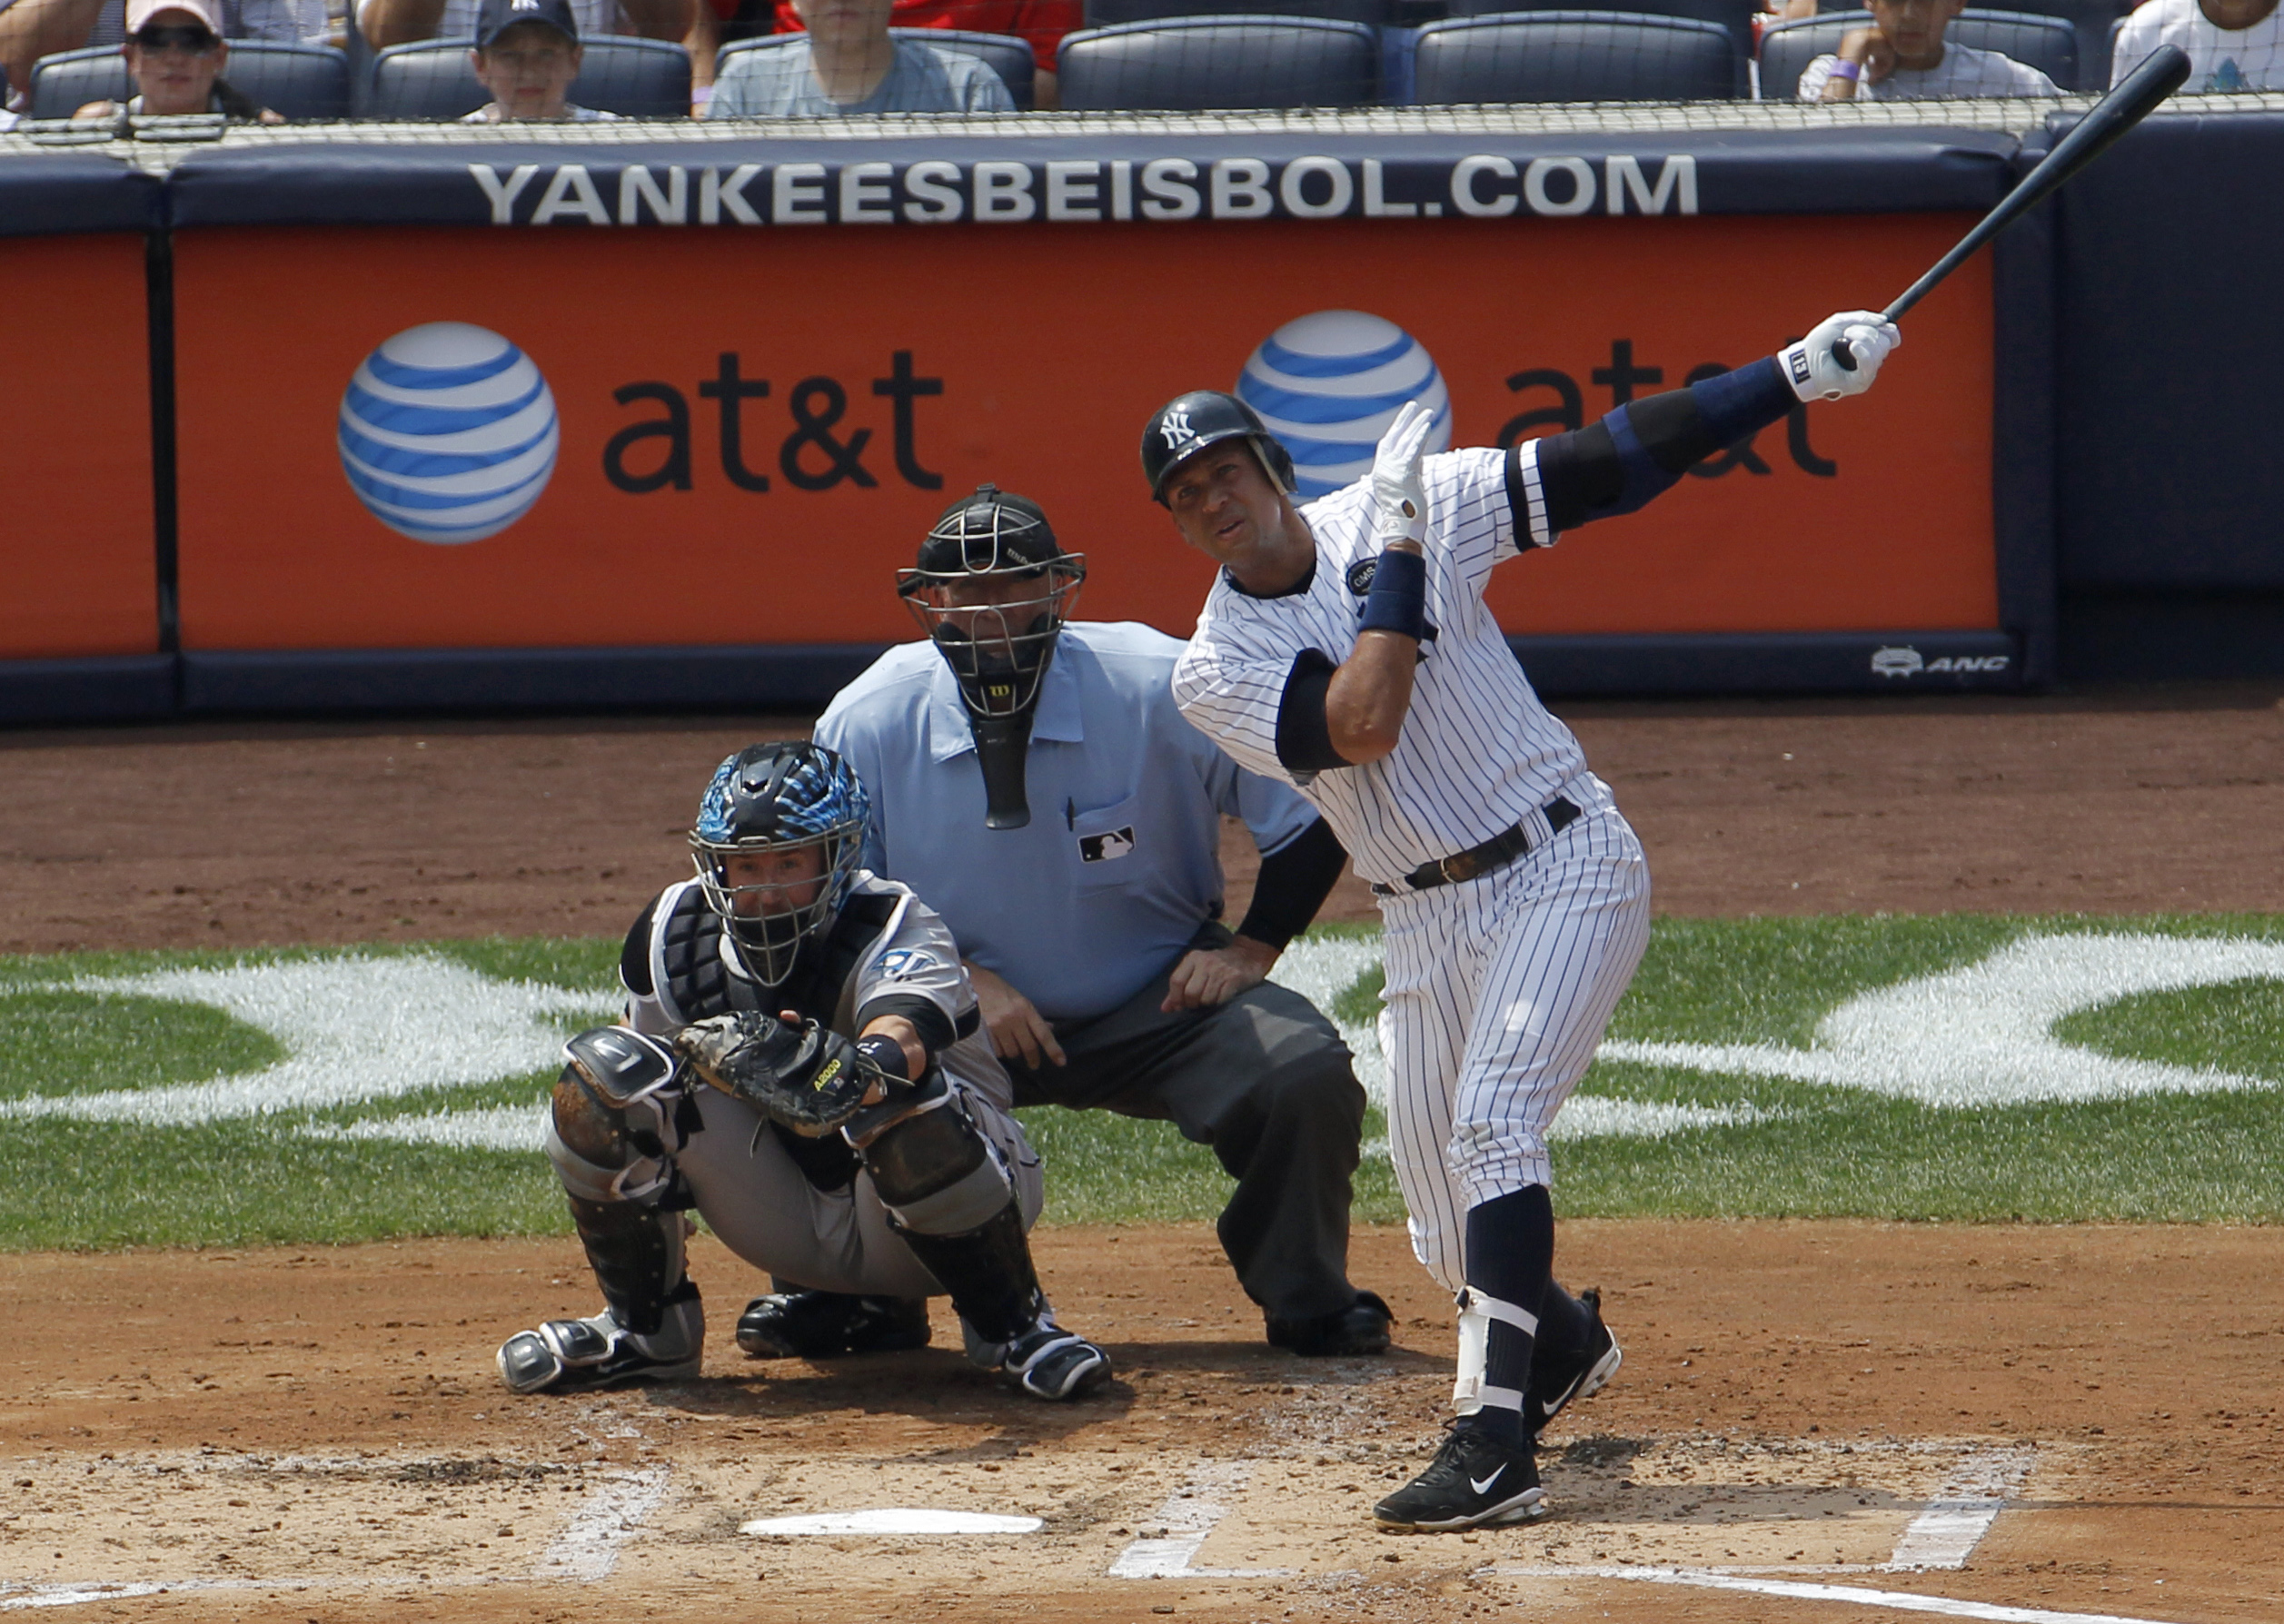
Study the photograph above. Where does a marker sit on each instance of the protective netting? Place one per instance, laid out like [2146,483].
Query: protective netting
[738,63]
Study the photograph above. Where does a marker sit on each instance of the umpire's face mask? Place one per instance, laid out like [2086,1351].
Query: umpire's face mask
[996,631]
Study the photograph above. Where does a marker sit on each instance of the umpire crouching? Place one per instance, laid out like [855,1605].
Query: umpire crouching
[1031,776]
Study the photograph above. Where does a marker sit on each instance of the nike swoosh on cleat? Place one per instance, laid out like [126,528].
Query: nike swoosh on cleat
[1485,1486]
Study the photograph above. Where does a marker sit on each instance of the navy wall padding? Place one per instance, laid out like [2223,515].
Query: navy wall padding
[1882,170]
[794,677]
[2171,339]
[2023,427]
[49,194]
[1811,662]
[109,689]
[2147,637]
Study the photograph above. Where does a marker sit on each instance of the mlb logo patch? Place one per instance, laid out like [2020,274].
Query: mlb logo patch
[1107,848]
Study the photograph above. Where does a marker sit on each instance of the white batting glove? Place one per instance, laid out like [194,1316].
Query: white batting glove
[1813,369]
[1399,498]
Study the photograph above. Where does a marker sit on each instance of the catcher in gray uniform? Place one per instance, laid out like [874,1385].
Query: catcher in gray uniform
[801,1061]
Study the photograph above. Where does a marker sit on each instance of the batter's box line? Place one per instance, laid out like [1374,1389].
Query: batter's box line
[1901,1601]
[1188,1515]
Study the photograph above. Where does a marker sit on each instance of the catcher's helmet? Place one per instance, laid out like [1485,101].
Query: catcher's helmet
[997,644]
[772,798]
[1188,423]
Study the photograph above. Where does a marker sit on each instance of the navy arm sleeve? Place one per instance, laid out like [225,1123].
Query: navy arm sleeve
[1296,879]
[936,1030]
[1641,450]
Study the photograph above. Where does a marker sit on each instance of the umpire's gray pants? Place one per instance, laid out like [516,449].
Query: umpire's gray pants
[757,1201]
[1267,1083]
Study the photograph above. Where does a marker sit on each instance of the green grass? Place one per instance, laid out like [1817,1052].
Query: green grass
[1817,1152]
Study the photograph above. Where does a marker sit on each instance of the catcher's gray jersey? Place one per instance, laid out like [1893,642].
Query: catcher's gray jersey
[1479,752]
[912,954]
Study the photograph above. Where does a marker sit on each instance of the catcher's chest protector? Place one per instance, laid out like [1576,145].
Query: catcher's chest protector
[699,983]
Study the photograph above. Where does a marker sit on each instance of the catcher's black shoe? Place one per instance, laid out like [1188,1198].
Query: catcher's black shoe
[1050,1362]
[823,1324]
[1358,1328]
[1555,1383]
[1474,1481]
[579,1355]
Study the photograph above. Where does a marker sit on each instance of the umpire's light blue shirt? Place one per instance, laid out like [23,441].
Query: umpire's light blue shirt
[1121,861]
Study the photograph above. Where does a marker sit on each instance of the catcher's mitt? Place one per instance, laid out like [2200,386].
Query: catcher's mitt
[807,1077]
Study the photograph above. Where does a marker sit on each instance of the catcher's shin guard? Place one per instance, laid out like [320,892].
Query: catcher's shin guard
[612,1131]
[1009,1326]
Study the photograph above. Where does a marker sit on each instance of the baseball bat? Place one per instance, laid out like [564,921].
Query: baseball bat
[2159,74]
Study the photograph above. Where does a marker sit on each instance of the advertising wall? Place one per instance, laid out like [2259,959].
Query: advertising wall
[75,515]
[753,429]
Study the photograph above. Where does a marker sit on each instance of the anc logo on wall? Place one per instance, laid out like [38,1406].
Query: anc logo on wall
[448,433]
[1328,386]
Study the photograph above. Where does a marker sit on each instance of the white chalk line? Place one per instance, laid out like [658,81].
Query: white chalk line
[1903,1601]
[584,1553]
[1189,1514]
[587,1548]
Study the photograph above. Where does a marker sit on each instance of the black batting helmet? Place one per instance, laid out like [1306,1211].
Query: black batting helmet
[1188,423]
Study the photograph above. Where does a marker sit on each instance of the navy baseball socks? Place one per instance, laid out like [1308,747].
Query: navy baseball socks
[1517,1370]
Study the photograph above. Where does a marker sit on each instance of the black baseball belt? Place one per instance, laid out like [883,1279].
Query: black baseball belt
[1479,860]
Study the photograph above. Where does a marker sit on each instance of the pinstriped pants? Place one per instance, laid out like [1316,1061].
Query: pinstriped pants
[1498,990]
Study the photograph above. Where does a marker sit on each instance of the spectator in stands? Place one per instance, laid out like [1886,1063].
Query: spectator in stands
[400,22]
[849,65]
[2233,44]
[527,55]
[176,54]
[1043,23]
[1901,57]
[31,29]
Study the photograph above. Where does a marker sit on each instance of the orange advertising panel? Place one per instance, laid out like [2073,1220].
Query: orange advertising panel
[77,548]
[443,438]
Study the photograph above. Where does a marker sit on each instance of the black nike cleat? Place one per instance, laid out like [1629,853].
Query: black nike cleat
[805,1324]
[1474,1481]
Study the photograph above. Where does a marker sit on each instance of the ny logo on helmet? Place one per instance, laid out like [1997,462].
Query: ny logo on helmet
[1176,427]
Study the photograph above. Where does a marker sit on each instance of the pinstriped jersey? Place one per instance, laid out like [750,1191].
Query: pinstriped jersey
[1478,750]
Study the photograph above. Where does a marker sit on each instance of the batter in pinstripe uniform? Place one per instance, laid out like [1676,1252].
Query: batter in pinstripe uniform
[1347,645]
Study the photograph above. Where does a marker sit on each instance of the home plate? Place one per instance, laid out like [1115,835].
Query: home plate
[893,1520]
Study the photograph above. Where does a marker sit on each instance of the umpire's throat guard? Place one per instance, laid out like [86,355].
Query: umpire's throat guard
[992,590]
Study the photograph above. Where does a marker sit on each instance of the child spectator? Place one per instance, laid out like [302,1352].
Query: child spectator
[31,29]
[1042,23]
[527,55]
[849,65]
[1901,57]
[176,54]
[2233,44]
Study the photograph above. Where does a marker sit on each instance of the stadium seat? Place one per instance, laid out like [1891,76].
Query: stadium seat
[1575,56]
[2094,22]
[430,79]
[1108,14]
[1735,16]
[1192,64]
[1006,55]
[2046,43]
[298,82]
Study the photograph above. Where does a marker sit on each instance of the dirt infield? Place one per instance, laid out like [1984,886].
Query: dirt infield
[223,835]
[318,1434]
[1815,1421]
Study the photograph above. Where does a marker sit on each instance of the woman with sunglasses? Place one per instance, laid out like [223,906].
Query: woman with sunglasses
[175,54]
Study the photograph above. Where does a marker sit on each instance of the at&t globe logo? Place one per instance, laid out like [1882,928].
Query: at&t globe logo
[448,432]
[1328,385]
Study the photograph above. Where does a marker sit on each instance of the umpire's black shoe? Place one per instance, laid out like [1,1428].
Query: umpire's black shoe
[1360,1327]
[1474,1481]
[1554,1383]
[821,1324]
